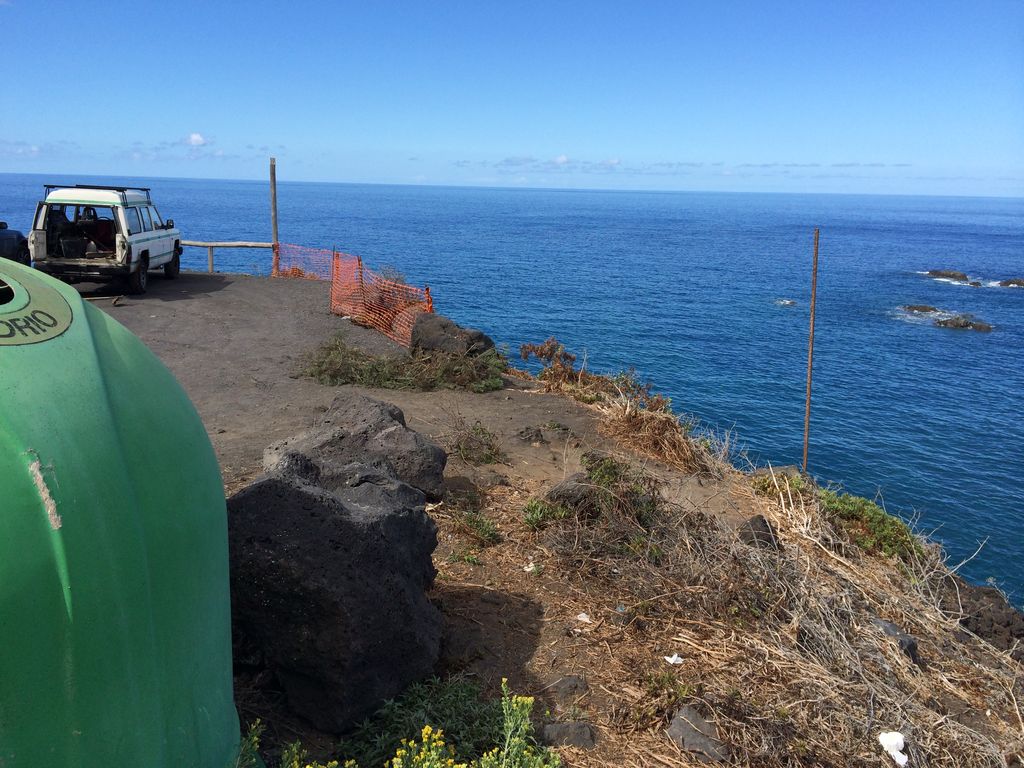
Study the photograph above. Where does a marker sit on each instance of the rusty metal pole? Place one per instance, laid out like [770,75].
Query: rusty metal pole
[810,350]
[275,268]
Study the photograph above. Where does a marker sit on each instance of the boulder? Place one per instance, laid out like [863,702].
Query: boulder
[1013,282]
[691,732]
[949,274]
[576,734]
[963,322]
[758,532]
[437,333]
[329,584]
[359,429]
[919,308]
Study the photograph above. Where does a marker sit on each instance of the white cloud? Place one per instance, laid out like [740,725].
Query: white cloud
[197,140]
[561,160]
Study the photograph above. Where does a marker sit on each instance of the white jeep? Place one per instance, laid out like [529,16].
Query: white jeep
[89,232]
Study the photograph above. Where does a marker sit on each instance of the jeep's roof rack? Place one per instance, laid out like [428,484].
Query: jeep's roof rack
[124,199]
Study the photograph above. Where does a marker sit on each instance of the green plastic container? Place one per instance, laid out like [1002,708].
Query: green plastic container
[115,631]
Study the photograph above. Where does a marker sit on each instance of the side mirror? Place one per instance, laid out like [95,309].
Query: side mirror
[169,224]
[3,225]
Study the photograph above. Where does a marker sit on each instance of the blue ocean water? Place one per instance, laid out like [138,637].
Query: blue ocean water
[683,287]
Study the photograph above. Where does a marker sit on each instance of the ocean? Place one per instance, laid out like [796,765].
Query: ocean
[688,289]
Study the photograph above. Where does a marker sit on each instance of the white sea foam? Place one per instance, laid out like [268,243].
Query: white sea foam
[920,318]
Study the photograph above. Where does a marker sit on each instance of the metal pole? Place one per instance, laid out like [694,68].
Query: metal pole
[209,259]
[273,217]
[810,349]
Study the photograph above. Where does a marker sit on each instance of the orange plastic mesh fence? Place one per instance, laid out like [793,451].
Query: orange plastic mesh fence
[369,299]
[372,300]
[299,261]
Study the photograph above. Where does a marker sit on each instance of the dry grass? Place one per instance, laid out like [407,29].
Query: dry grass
[779,647]
[473,443]
[630,412]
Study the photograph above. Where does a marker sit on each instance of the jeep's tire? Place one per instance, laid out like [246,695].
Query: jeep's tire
[173,267]
[21,255]
[139,279]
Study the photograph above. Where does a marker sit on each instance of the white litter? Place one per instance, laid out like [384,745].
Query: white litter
[585,618]
[675,658]
[530,568]
[893,743]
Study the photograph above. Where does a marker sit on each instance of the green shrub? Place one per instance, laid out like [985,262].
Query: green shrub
[869,526]
[764,485]
[456,728]
[337,363]
[466,509]
[538,513]
[466,556]
[248,750]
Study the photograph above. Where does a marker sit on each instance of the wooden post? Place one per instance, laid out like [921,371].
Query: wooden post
[810,349]
[209,259]
[276,266]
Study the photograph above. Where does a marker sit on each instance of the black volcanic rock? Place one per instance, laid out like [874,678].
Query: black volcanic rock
[949,274]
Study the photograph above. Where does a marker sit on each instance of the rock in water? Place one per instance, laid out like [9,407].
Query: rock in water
[919,308]
[949,274]
[1013,282]
[693,733]
[963,322]
[331,587]
[359,429]
[437,333]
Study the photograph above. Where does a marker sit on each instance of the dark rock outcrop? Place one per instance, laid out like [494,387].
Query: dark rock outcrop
[691,732]
[949,274]
[359,429]
[329,583]
[758,532]
[919,308]
[437,333]
[1013,282]
[986,612]
[963,322]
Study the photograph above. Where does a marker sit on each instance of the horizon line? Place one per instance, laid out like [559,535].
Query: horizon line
[519,188]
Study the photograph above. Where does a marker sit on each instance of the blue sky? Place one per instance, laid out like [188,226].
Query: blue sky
[868,96]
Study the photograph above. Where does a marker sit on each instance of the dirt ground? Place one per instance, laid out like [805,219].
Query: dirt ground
[517,609]
[236,343]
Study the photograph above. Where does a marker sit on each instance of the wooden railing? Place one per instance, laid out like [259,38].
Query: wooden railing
[230,244]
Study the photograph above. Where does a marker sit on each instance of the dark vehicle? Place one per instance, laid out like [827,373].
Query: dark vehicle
[13,245]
